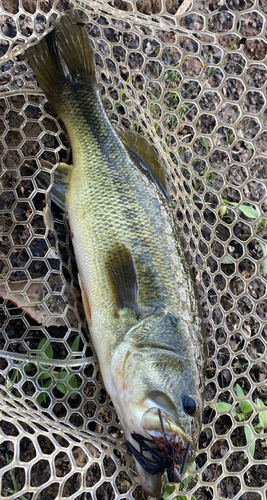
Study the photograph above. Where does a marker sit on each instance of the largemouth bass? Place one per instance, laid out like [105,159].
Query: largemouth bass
[138,296]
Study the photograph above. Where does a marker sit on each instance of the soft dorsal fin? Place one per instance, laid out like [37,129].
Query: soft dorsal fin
[140,149]
[123,278]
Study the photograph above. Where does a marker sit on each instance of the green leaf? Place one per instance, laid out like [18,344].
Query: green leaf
[41,345]
[44,376]
[239,391]
[73,382]
[186,481]
[223,406]
[29,366]
[249,436]
[193,467]
[41,398]
[62,375]
[75,345]
[184,498]
[263,418]
[46,384]
[252,449]
[61,387]
[186,168]
[234,203]
[264,249]
[260,403]
[245,406]
[227,260]
[234,412]
[206,145]
[168,491]
[48,352]
[248,211]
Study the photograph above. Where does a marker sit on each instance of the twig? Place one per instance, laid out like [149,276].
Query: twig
[183,8]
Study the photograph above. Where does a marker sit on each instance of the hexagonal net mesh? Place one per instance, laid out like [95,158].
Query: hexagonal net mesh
[194,83]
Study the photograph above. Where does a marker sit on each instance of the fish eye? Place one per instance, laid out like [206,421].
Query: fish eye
[189,405]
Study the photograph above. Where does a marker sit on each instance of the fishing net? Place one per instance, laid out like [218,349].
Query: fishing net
[194,84]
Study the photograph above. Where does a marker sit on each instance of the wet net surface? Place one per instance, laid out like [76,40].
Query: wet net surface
[195,85]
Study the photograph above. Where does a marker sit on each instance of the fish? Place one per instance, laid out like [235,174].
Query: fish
[139,298]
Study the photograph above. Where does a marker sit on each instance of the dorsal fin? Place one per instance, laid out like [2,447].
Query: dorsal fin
[123,278]
[144,153]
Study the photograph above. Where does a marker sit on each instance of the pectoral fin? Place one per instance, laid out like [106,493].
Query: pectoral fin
[123,279]
[61,176]
[57,192]
[143,152]
[60,185]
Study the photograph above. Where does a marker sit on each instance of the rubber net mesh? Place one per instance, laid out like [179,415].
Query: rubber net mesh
[194,84]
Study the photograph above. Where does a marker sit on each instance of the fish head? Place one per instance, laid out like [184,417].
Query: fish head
[157,368]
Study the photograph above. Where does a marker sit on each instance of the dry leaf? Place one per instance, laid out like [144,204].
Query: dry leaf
[32,302]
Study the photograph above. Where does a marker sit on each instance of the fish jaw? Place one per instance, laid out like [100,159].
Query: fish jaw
[152,484]
[151,424]
[131,421]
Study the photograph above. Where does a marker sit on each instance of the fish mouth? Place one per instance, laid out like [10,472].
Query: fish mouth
[150,424]
[151,470]
[162,451]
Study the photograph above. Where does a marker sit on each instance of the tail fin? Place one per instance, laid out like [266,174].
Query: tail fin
[63,56]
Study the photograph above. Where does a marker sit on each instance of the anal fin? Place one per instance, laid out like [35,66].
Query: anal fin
[123,278]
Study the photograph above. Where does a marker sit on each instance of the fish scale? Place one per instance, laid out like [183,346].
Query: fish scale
[139,299]
[112,219]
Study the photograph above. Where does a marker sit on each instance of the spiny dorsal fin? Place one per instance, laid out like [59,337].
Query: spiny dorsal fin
[123,278]
[140,148]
